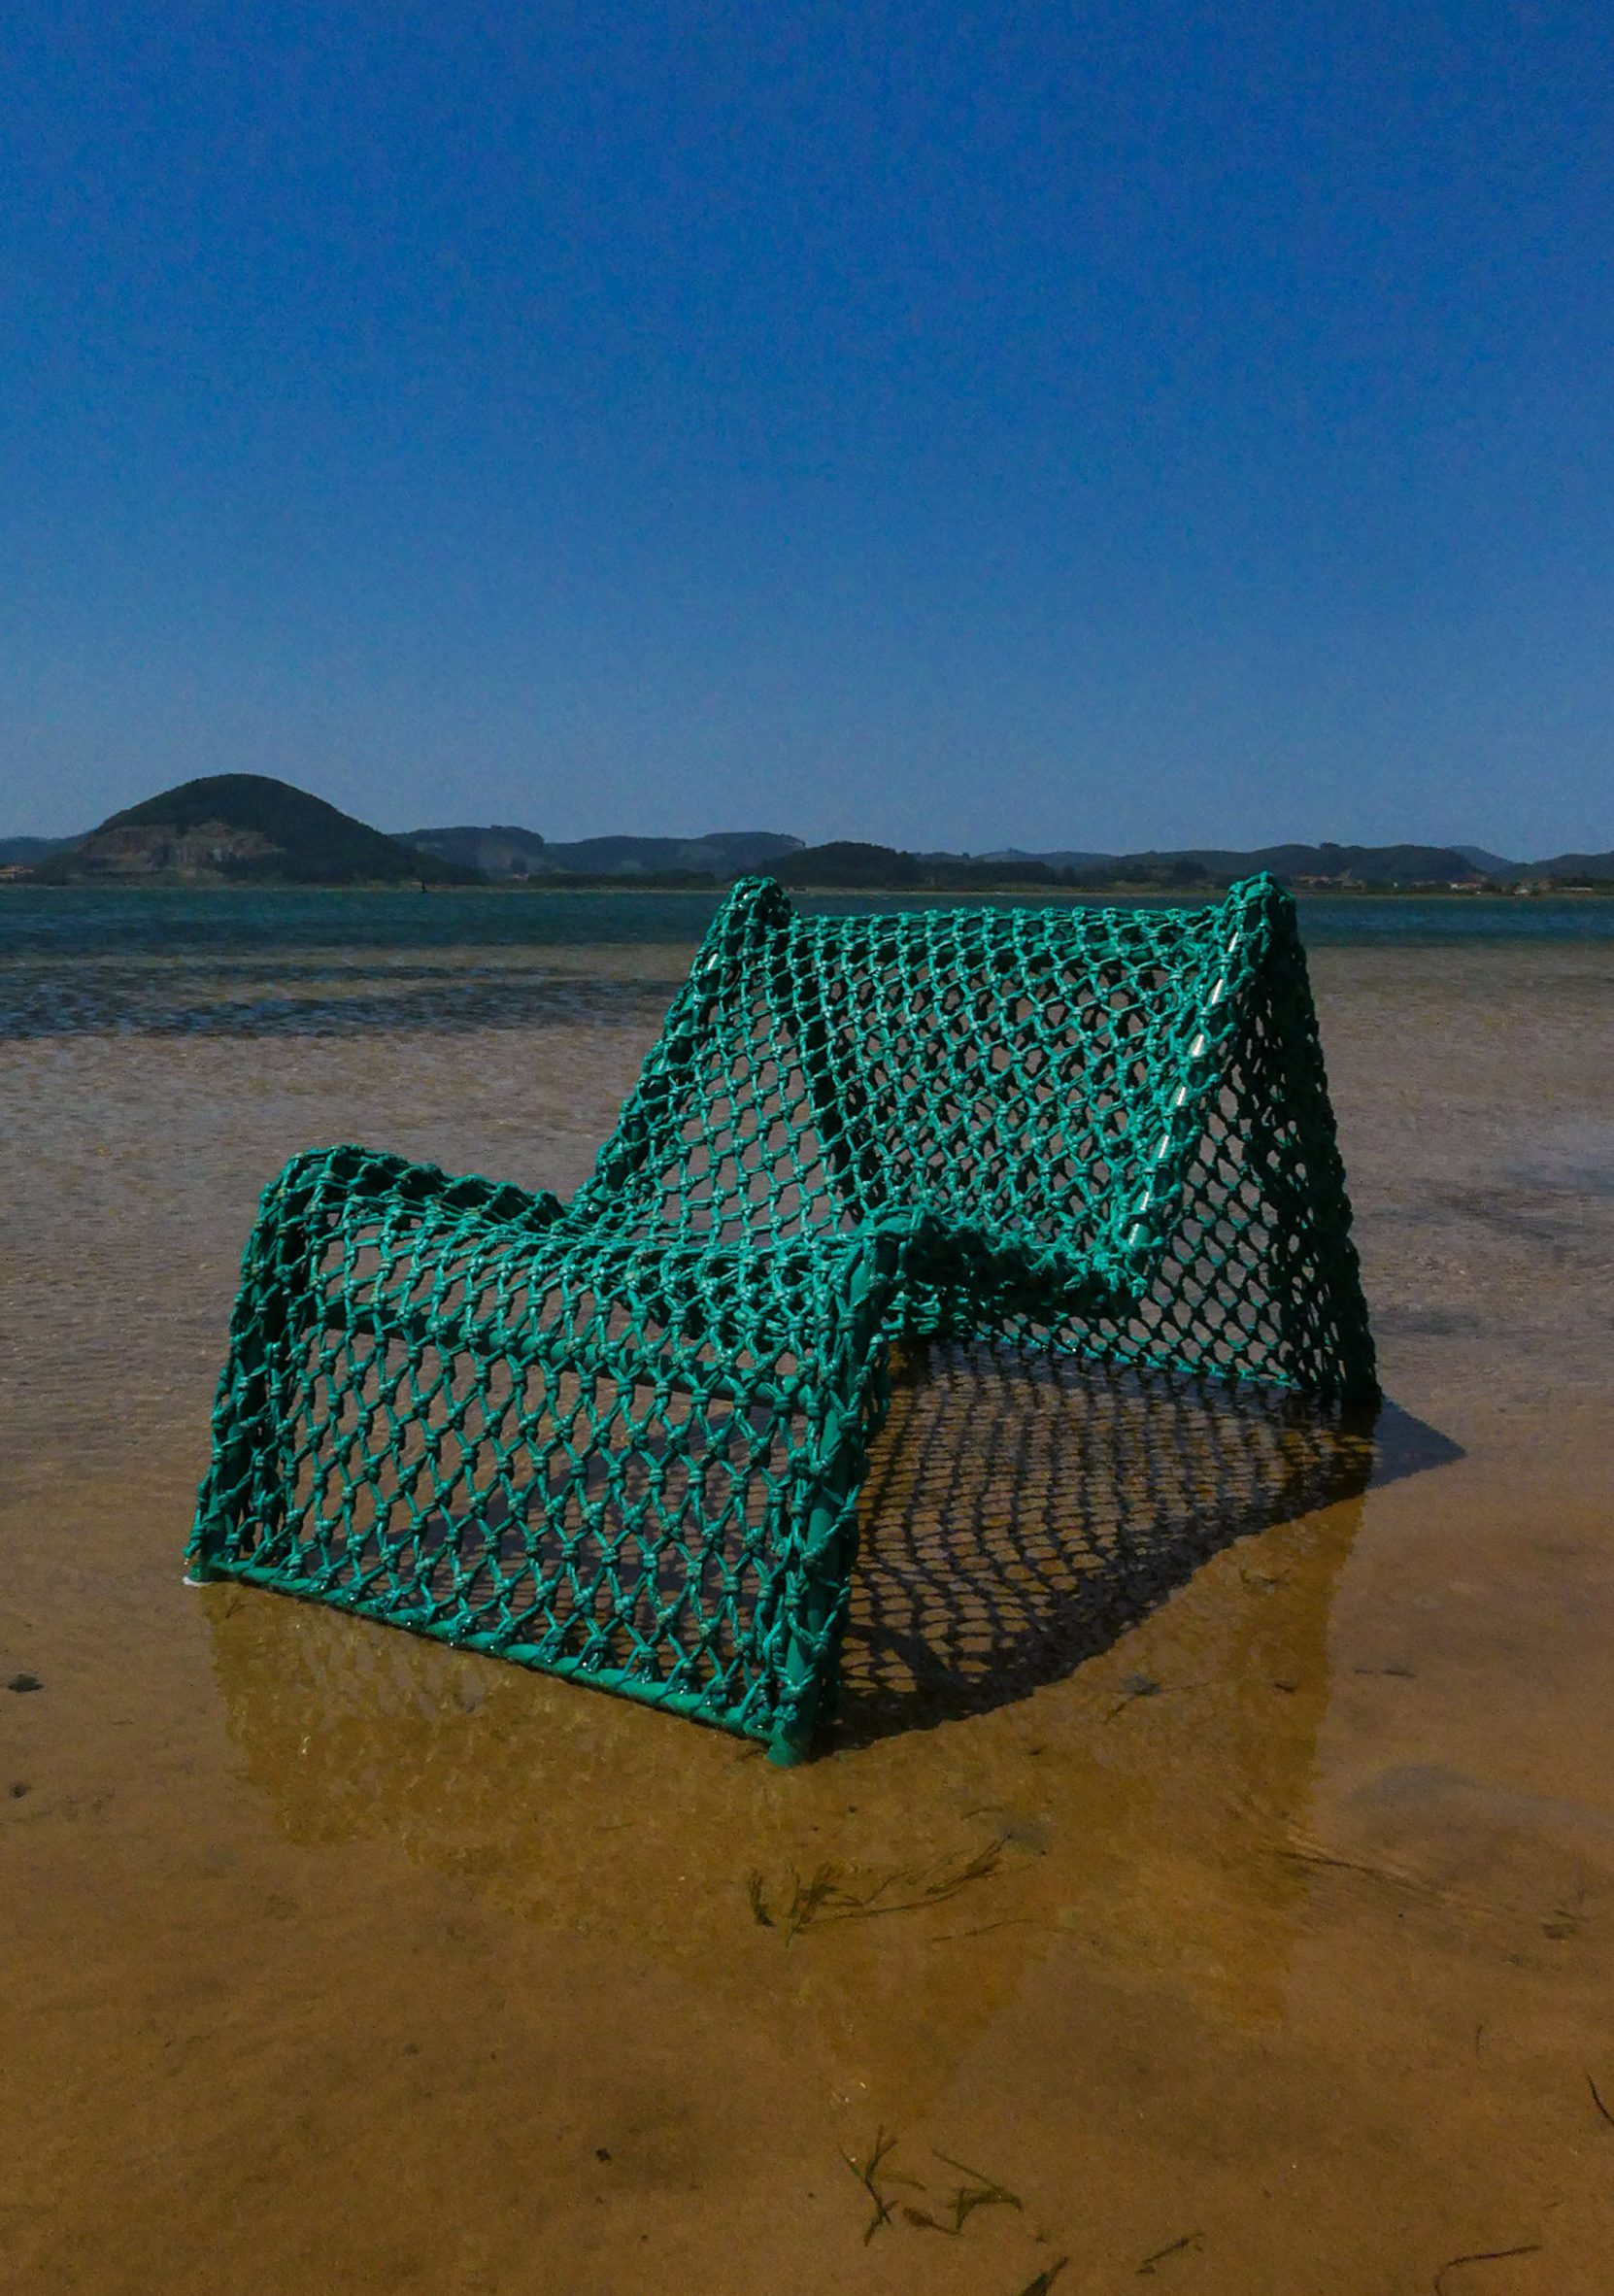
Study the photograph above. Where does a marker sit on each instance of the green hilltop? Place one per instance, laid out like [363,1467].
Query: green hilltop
[244,828]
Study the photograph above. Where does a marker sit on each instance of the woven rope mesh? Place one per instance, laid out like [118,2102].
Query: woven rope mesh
[625,1438]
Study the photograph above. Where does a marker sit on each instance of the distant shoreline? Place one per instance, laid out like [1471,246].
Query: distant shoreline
[1049,896]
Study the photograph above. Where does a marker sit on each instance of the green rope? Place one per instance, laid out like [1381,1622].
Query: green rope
[623,1439]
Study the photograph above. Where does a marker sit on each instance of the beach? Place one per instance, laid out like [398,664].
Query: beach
[1262,1938]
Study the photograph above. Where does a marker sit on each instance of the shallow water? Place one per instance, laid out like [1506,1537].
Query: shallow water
[69,923]
[1220,1840]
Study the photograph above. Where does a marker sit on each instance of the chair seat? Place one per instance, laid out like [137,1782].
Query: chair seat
[627,1461]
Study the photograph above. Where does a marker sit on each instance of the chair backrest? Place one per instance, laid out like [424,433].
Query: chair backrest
[1114,1123]
[1034,1077]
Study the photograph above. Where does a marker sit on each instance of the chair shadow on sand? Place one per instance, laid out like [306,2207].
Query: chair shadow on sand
[1022,1513]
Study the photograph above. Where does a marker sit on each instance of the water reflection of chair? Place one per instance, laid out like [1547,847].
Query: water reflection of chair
[1017,1521]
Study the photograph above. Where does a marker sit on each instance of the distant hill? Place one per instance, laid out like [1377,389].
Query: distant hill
[726,852]
[876,866]
[1060,860]
[1375,865]
[847,861]
[235,827]
[1296,865]
[29,852]
[497,852]
[1185,870]
[1573,868]
[524,853]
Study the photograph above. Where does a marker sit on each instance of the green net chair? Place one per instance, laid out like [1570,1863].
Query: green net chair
[623,1439]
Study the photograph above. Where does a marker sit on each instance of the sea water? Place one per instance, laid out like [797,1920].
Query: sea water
[250,961]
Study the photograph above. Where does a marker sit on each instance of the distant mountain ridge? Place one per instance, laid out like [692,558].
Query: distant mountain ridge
[1310,867]
[502,852]
[1360,864]
[1593,867]
[247,828]
[726,852]
[854,863]
[1494,864]
[499,851]
[1061,858]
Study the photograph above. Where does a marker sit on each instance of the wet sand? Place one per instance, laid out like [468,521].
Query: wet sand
[1218,1856]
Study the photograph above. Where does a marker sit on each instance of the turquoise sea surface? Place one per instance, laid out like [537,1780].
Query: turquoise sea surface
[83,920]
[251,961]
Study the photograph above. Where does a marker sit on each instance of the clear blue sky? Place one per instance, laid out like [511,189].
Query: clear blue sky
[1095,425]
